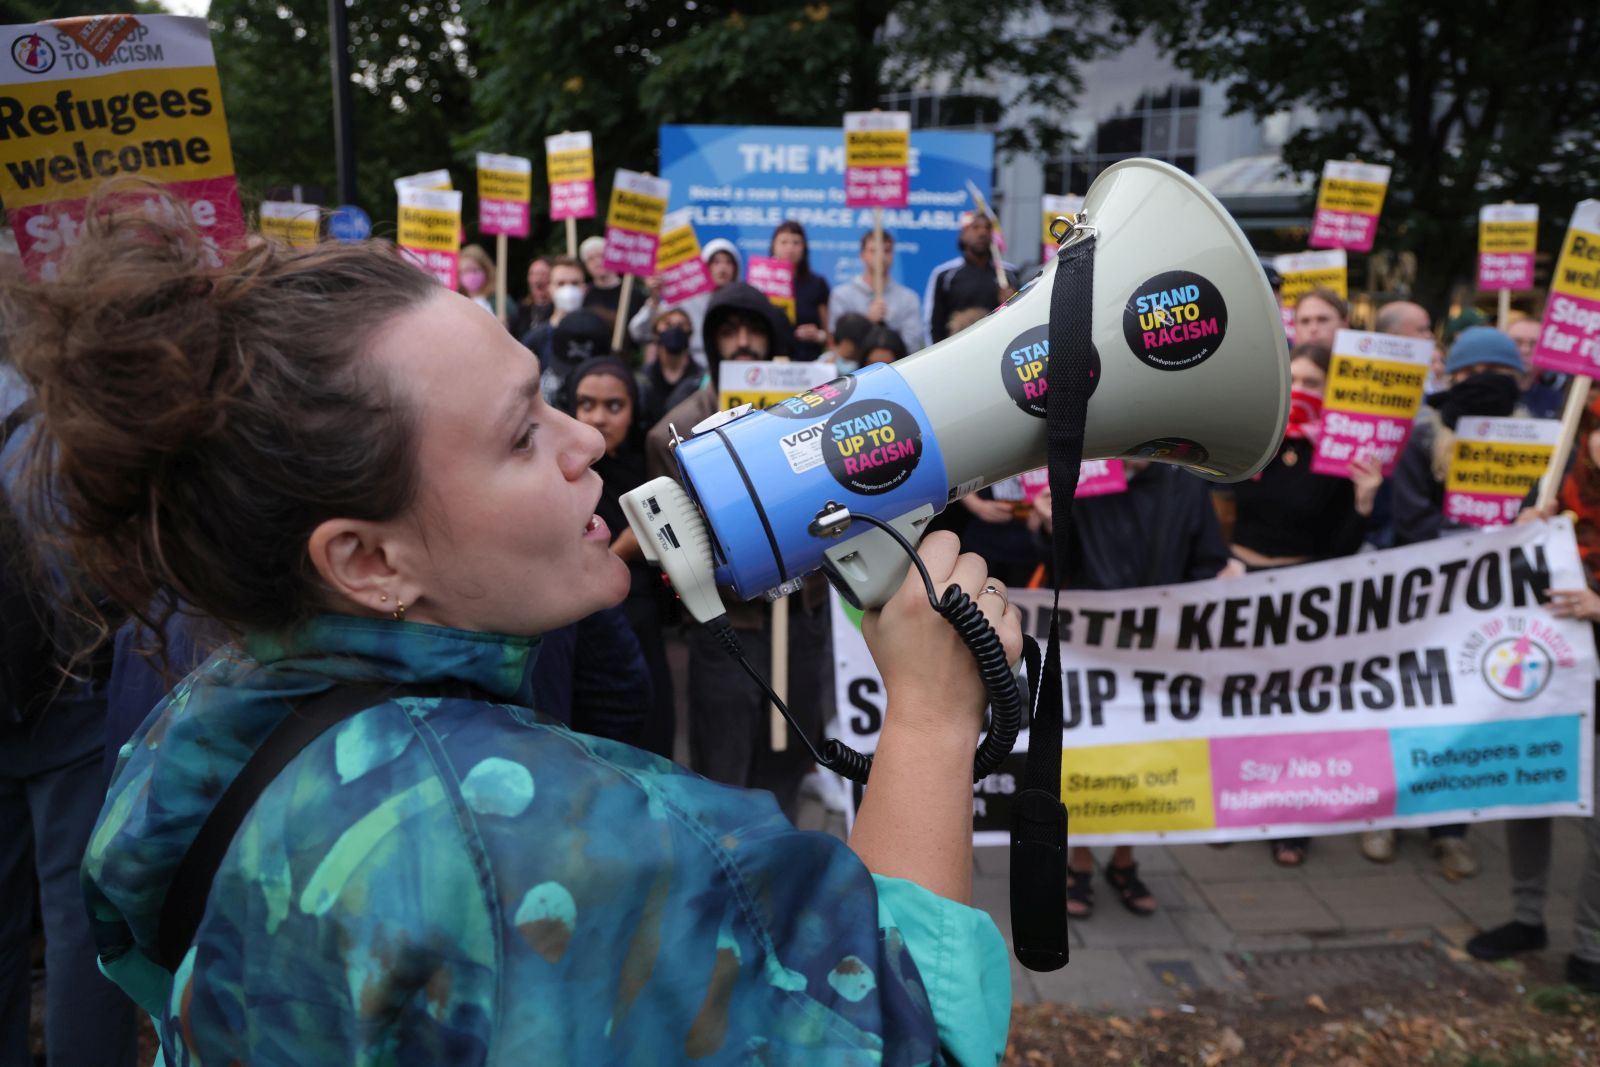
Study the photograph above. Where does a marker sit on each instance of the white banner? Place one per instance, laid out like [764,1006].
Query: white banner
[1413,687]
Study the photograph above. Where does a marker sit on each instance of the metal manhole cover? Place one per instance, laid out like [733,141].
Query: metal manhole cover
[1300,971]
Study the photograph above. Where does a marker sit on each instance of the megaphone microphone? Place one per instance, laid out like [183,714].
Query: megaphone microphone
[845,477]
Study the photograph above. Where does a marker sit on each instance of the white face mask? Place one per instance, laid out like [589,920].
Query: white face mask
[567,298]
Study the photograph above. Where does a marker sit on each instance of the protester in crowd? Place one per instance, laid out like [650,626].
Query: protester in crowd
[605,395]
[1286,515]
[1485,374]
[1529,841]
[1543,392]
[373,493]
[882,345]
[536,307]
[577,337]
[898,308]
[671,377]
[722,264]
[567,289]
[723,261]
[969,280]
[849,331]
[729,737]
[52,738]
[810,290]
[605,285]
[1318,316]
[997,530]
[1402,318]
[1161,531]
[475,277]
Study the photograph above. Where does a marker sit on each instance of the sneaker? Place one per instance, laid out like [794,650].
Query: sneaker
[1378,846]
[1506,941]
[1455,858]
[1585,974]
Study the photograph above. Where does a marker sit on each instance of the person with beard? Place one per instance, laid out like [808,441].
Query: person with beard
[671,376]
[1485,372]
[1286,515]
[729,737]
[967,281]
[579,336]
[604,395]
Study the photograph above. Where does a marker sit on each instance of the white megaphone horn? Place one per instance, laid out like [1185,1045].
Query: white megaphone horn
[1194,372]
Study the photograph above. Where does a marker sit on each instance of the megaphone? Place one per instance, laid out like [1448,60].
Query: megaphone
[1193,372]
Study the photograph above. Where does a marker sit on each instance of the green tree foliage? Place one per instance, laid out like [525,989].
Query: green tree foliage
[412,85]
[1470,102]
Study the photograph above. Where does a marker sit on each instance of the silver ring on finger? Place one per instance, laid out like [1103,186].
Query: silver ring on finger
[996,591]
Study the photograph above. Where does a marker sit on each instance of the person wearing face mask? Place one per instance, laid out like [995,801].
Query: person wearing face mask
[672,376]
[722,262]
[849,331]
[567,286]
[1286,515]
[475,279]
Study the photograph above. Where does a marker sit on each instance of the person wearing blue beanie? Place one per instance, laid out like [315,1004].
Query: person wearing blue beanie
[1482,346]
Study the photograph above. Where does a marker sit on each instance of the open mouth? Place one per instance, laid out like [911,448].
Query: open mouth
[596,528]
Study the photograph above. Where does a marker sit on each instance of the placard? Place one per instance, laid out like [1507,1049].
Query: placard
[294,224]
[774,278]
[1494,465]
[1415,686]
[1348,204]
[877,158]
[764,384]
[430,231]
[682,272]
[1508,237]
[86,100]
[1374,391]
[1054,207]
[1096,477]
[505,188]
[428,179]
[1569,337]
[1305,271]
[633,224]
[569,165]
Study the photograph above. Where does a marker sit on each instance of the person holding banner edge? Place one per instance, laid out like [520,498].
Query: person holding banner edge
[442,868]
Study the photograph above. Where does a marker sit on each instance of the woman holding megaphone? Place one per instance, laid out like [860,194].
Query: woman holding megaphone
[354,471]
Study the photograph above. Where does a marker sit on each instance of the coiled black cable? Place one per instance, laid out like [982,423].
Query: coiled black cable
[1006,704]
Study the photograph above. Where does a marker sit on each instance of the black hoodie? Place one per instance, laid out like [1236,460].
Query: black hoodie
[741,296]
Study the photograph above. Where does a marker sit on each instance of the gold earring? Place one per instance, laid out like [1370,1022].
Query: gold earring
[383,598]
[399,612]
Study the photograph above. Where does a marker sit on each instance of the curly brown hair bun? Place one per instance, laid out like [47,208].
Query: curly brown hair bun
[198,419]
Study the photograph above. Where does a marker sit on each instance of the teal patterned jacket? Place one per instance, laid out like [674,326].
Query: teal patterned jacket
[457,882]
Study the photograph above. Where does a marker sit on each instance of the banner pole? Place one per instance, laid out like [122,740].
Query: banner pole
[1577,400]
[621,324]
[780,673]
[877,244]
[572,238]
[500,276]
[1505,310]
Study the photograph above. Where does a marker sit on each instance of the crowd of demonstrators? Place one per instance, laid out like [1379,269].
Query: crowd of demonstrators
[811,291]
[897,307]
[723,265]
[605,285]
[970,280]
[1161,531]
[475,277]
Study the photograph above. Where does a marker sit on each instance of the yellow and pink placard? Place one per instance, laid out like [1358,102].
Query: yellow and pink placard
[1569,336]
[505,188]
[429,230]
[877,159]
[293,224]
[85,100]
[1493,466]
[1374,391]
[1348,204]
[682,272]
[775,279]
[1052,208]
[1508,237]
[633,224]
[569,165]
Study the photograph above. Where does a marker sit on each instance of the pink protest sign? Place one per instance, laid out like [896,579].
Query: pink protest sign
[1569,337]
[505,186]
[1348,203]
[1508,237]
[1320,777]
[775,279]
[1374,390]
[569,167]
[1096,477]
[633,225]
[877,158]
[682,272]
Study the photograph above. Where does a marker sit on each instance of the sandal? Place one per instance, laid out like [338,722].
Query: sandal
[1130,890]
[1080,891]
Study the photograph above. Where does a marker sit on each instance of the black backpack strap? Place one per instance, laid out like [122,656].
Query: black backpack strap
[310,718]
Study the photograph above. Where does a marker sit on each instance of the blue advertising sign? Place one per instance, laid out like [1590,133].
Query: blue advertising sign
[349,223]
[741,181]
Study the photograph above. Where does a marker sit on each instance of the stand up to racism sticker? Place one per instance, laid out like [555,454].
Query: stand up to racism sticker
[86,100]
